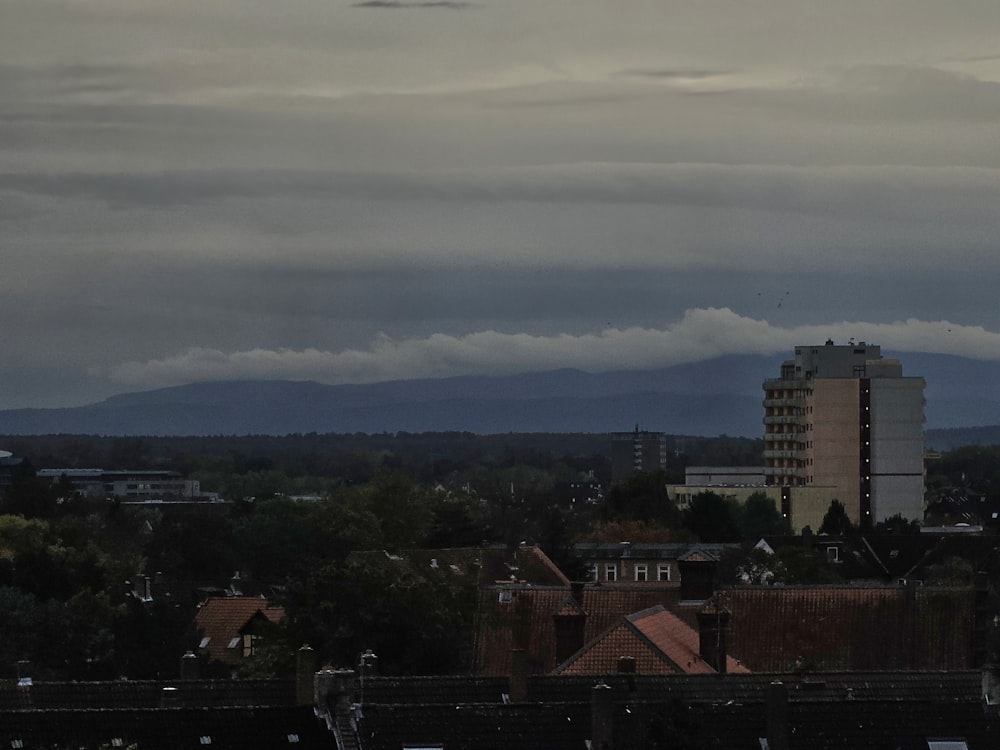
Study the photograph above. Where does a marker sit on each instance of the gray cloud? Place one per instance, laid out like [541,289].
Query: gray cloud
[672,75]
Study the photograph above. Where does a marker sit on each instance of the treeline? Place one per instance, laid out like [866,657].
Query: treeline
[444,457]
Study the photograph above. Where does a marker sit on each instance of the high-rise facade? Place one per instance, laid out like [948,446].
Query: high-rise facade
[846,418]
[637,451]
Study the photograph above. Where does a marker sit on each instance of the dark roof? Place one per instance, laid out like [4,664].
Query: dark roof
[888,710]
[480,565]
[238,728]
[145,694]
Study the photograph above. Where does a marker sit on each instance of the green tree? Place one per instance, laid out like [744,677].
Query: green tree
[712,519]
[836,521]
[897,525]
[641,497]
[759,518]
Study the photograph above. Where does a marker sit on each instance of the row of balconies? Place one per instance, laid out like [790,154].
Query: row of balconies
[784,471]
[782,419]
[774,454]
[779,401]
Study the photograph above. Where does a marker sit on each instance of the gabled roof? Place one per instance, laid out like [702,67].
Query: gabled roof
[221,619]
[659,642]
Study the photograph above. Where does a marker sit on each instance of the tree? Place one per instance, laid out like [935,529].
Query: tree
[836,521]
[759,518]
[712,519]
[898,525]
[641,497]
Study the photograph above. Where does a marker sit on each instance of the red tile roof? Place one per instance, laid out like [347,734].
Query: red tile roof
[220,619]
[659,642]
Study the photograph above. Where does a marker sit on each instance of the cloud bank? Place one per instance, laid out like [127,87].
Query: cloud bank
[700,334]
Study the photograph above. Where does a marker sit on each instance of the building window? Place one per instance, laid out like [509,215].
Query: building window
[663,572]
[249,644]
[593,572]
[833,554]
[610,572]
[641,572]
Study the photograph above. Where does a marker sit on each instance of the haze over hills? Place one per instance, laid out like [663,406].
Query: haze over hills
[718,396]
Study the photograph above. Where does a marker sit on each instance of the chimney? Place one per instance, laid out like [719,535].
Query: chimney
[333,690]
[777,716]
[305,669]
[190,667]
[169,698]
[602,707]
[697,571]
[518,675]
[570,622]
[713,620]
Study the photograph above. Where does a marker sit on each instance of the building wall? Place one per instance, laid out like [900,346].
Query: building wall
[845,417]
[897,445]
[833,449]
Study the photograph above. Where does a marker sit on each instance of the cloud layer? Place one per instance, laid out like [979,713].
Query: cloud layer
[699,335]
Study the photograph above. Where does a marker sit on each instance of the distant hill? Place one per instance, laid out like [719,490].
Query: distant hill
[715,397]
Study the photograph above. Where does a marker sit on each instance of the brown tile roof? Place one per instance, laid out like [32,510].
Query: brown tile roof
[781,629]
[220,619]
[771,629]
[659,642]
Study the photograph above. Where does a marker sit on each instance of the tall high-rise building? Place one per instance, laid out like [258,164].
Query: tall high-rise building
[844,417]
[637,451]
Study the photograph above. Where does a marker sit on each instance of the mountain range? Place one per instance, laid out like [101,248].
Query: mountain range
[713,397]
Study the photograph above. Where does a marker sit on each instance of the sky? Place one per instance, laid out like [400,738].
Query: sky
[360,191]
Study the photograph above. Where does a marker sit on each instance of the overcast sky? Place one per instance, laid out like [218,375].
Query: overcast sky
[357,191]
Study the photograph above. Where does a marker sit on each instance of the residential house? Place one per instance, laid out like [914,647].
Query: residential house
[230,626]
[640,562]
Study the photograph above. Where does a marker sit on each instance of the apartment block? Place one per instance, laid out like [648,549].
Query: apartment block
[844,417]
